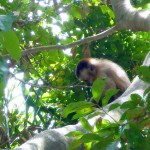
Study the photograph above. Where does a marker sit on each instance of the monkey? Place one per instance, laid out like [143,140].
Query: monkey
[89,69]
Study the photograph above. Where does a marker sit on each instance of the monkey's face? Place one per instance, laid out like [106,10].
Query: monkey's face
[88,75]
[87,71]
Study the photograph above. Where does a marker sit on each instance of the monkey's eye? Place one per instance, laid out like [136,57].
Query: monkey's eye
[91,67]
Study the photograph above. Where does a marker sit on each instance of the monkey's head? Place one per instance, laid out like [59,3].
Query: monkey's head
[86,70]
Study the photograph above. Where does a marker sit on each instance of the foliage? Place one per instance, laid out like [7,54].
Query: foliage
[39,85]
[3,75]
[131,132]
[97,88]
[143,73]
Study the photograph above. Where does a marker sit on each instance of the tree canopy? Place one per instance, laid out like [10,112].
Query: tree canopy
[41,42]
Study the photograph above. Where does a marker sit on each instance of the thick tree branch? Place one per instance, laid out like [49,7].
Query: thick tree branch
[129,18]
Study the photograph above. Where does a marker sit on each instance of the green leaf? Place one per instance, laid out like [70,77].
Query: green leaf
[133,113]
[103,143]
[86,138]
[74,144]
[76,106]
[10,42]
[128,105]
[147,91]
[89,137]
[53,55]
[134,136]
[105,124]
[108,132]
[123,118]
[113,145]
[143,123]
[75,11]
[94,114]
[148,101]
[114,106]
[86,124]
[108,95]
[2,86]
[105,9]
[137,99]
[6,22]
[98,88]
[2,116]
[144,73]
[3,75]
[2,11]
[83,112]
[75,134]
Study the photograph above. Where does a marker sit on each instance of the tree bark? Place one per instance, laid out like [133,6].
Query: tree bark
[130,18]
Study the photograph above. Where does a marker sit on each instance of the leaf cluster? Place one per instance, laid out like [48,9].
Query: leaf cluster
[130,132]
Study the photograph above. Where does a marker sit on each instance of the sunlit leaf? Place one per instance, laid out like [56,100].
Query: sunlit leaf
[86,124]
[128,105]
[83,112]
[137,99]
[144,73]
[75,134]
[114,106]
[53,55]
[97,88]
[74,144]
[6,22]
[76,106]
[94,114]
[106,9]
[10,42]
[89,137]
[75,11]
[108,95]
[3,76]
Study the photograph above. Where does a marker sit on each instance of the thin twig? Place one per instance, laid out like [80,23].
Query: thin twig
[46,86]
[109,115]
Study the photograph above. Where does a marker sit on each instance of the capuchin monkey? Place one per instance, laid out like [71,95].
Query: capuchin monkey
[89,69]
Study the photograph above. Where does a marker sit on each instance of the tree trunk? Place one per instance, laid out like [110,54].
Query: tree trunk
[130,18]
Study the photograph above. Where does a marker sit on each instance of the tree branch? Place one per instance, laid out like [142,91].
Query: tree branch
[74,44]
[77,85]
[130,18]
